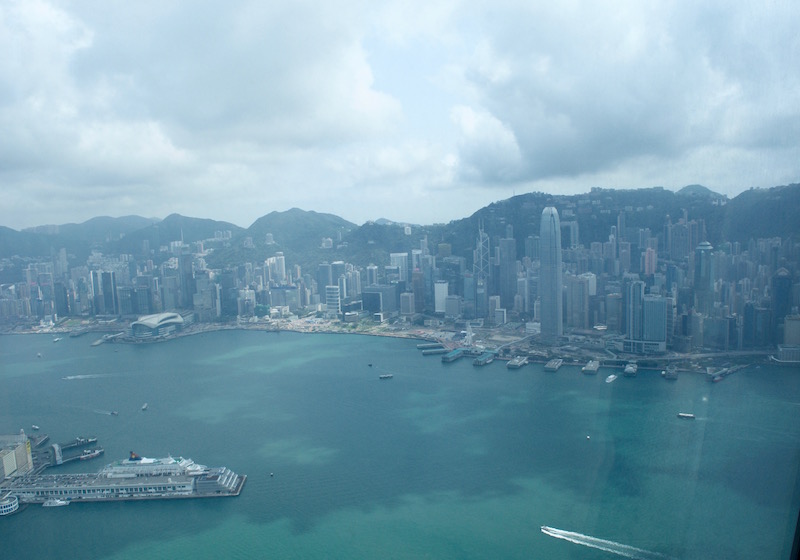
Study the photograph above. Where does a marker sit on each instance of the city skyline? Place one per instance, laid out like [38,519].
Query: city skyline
[420,113]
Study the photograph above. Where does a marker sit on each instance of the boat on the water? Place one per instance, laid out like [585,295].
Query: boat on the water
[686,415]
[611,378]
[55,502]
[144,406]
[385,376]
[671,372]
[91,453]
[591,367]
[553,365]
[56,339]
[35,428]
[630,369]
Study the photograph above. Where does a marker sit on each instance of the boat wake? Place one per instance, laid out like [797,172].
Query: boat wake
[602,544]
[86,376]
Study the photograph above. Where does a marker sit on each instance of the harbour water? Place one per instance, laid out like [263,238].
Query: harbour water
[440,461]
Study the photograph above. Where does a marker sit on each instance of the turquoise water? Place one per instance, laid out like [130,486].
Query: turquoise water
[442,461]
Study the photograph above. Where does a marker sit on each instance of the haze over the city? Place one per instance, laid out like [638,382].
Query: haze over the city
[413,111]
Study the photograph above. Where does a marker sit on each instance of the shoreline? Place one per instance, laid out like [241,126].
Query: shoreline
[323,326]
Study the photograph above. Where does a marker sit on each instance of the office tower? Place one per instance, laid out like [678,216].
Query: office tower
[400,260]
[508,272]
[703,278]
[372,275]
[634,310]
[333,301]
[440,293]
[550,275]
[109,282]
[324,278]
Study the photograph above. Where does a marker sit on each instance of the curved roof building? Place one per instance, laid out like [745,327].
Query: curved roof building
[158,324]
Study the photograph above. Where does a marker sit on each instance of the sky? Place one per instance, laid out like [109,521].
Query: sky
[418,111]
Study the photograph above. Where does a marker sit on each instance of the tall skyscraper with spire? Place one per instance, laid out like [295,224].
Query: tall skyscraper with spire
[550,280]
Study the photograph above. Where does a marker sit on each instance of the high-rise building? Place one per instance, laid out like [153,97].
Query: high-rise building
[508,272]
[109,282]
[703,278]
[550,282]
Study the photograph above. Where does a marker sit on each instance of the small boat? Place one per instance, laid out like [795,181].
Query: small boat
[38,354]
[35,428]
[56,339]
[686,415]
[91,453]
[55,502]
[144,406]
[611,378]
[114,413]
[385,376]
[370,364]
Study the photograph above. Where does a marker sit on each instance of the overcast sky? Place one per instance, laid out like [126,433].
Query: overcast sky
[417,110]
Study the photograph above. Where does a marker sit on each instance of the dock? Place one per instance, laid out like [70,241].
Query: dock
[483,359]
[517,362]
[453,355]
[553,365]
[152,479]
[434,351]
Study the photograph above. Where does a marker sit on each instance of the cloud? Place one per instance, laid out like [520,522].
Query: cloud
[235,110]
[585,88]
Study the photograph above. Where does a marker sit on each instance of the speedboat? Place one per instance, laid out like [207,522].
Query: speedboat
[35,427]
[611,378]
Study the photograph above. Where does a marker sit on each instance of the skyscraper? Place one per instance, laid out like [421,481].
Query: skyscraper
[550,275]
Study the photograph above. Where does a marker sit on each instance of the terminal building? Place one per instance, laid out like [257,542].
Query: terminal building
[15,455]
[160,324]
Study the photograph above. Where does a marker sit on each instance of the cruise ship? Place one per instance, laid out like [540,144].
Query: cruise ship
[134,478]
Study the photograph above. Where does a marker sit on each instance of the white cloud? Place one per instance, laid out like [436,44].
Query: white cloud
[235,110]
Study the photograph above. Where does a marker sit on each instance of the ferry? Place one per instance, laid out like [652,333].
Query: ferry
[91,453]
[55,502]
[517,362]
[553,365]
[385,376]
[686,415]
[611,378]
[630,369]
[591,367]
